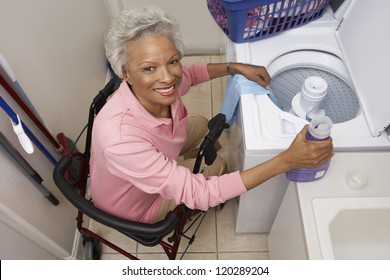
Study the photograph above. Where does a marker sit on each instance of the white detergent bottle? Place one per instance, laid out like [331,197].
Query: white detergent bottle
[319,130]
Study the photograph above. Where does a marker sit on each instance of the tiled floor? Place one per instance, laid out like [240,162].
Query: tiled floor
[216,238]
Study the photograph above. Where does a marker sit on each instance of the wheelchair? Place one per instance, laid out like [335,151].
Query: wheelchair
[166,233]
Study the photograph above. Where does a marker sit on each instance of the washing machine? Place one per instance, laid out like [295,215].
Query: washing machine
[347,47]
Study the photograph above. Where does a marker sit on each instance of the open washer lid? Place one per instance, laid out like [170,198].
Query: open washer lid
[365,44]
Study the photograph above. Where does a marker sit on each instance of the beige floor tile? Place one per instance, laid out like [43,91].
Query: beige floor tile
[232,148]
[206,236]
[205,240]
[114,237]
[218,87]
[197,100]
[187,256]
[187,60]
[141,249]
[155,256]
[243,256]
[206,98]
[152,256]
[230,241]
[113,256]
[200,256]
[226,151]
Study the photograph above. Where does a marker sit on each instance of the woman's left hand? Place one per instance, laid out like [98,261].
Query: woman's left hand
[254,73]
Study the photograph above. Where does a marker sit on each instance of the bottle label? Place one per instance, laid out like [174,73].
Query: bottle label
[320,174]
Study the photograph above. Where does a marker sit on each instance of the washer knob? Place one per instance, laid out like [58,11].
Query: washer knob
[356,180]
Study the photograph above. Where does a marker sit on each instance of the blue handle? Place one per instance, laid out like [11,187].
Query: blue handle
[35,140]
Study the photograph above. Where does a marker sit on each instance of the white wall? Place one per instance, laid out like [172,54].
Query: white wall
[56,51]
[201,34]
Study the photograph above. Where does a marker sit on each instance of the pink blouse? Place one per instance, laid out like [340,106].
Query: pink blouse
[133,164]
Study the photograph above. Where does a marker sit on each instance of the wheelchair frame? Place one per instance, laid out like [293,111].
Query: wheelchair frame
[146,234]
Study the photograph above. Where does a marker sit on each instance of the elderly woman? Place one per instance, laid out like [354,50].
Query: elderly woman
[139,136]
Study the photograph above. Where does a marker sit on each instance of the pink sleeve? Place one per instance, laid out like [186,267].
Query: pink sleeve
[150,171]
[193,75]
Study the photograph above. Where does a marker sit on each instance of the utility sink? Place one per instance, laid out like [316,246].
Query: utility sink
[345,215]
[353,228]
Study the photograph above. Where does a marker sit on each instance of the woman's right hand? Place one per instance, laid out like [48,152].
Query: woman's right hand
[303,153]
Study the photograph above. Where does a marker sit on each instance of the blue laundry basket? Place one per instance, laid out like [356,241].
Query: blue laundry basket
[250,20]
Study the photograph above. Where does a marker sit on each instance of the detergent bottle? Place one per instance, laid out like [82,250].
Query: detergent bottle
[319,130]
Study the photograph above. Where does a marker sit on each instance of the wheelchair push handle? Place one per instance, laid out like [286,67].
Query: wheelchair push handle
[216,125]
[207,149]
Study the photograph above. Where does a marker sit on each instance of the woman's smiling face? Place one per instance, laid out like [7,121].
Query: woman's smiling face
[154,72]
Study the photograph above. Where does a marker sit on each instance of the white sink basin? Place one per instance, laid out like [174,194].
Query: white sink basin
[353,228]
[345,215]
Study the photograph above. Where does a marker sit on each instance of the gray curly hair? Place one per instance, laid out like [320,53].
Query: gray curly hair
[134,24]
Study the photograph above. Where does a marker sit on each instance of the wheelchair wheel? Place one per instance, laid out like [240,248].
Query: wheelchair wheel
[92,248]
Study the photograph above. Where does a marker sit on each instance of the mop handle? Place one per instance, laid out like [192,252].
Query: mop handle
[32,116]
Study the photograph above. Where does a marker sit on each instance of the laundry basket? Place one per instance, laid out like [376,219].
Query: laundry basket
[251,20]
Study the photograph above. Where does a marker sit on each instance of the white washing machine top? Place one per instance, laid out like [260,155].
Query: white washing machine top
[350,54]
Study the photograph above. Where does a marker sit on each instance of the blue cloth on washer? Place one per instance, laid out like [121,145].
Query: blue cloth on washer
[238,85]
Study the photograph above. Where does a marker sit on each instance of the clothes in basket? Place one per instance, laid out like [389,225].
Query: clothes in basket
[261,18]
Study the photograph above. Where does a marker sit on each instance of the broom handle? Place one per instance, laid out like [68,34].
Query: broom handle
[32,116]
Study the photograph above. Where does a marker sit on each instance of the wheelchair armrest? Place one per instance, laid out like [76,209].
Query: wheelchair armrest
[161,228]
